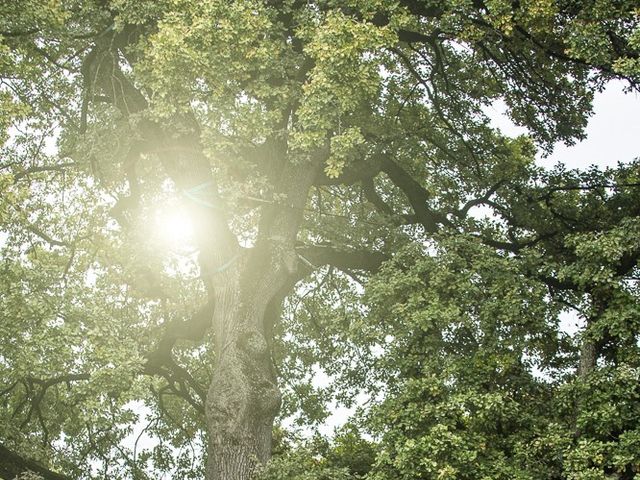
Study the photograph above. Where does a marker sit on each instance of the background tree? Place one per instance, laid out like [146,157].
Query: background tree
[303,139]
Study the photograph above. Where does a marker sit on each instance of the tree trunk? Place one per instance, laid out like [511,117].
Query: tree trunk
[242,403]
[588,358]
[243,398]
[589,349]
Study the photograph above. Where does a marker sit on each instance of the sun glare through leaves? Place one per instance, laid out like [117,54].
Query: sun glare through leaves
[173,227]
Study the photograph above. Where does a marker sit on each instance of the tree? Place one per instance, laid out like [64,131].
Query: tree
[483,379]
[304,138]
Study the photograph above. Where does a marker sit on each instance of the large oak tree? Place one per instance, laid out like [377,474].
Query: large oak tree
[301,139]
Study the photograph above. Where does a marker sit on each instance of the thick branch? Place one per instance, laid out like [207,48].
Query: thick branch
[12,464]
[46,237]
[416,194]
[344,259]
[281,221]
[101,68]
[45,168]
[192,329]
[160,361]
[372,196]
[478,201]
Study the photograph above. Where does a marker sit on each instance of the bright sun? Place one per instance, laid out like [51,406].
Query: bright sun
[174,227]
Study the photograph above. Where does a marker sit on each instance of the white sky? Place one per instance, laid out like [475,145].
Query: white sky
[613,131]
[612,134]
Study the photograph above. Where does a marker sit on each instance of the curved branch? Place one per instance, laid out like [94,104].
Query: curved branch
[192,329]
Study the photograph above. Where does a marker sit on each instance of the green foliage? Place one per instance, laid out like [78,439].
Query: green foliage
[458,340]
[346,457]
[465,330]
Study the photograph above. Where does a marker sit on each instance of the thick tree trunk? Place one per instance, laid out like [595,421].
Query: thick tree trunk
[243,398]
[242,403]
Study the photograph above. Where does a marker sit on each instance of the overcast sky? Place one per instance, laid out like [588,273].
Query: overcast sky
[613,133]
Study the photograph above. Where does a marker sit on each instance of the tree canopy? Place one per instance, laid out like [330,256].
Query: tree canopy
[204,203]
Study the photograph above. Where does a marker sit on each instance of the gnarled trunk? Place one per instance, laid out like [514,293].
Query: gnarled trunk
[242,402]
[243,398]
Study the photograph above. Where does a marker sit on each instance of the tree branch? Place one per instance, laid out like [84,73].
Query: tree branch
[344,259]
[46,168]
[417,196]
[192,329]
[12,464]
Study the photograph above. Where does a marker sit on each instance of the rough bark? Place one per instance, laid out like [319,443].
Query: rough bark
[588,358]
[243,398]
[242,403]
[590,349]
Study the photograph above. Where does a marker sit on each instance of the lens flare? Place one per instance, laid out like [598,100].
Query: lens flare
[174,227]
